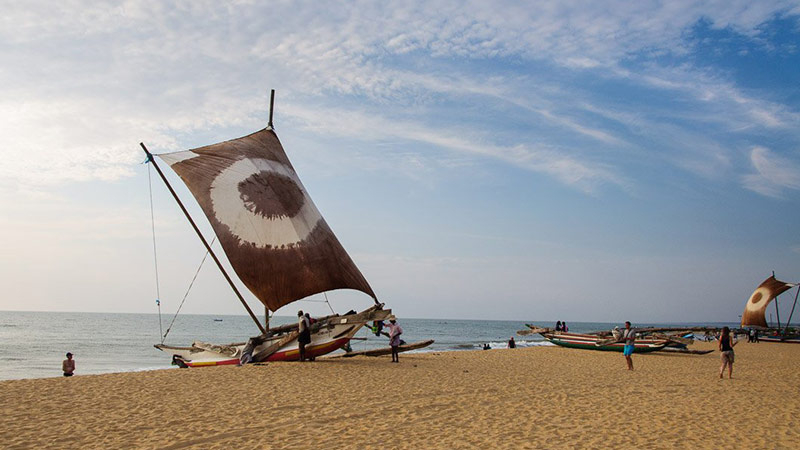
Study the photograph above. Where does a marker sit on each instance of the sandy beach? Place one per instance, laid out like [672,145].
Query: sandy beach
[543,397]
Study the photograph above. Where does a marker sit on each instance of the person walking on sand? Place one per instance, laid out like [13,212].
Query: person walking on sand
[305,334]
[726,344]
[68,366]
[394,337]
[629,337]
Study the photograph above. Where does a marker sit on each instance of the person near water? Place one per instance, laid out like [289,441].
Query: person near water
[394,337]
[726,344]
[68,366]
[512,343]
[304,337]
[564,327]
[558,326]
[486,346]
[629,337]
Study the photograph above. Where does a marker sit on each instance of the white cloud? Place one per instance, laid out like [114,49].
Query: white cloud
[81,93]
[773,174]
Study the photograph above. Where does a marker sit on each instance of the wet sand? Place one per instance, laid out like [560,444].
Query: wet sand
[540,397]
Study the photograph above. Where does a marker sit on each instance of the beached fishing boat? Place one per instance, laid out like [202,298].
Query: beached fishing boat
[754,315]
[786,339]
[276,240]
[595,342]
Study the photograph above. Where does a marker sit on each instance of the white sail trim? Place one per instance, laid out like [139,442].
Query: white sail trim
[174,158]
[253,228]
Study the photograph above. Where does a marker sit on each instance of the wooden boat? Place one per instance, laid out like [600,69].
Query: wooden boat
[595,342]
[754,315]
[792,339]
[276,240]
[387,350]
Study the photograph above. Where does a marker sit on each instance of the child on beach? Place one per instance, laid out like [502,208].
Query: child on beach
[629,336]
[68,366]
[726,344]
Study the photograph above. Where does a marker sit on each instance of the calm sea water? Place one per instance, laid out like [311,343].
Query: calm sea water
[33,344]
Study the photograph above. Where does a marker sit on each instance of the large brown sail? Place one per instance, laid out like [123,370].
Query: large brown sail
[275,238]
[756,306]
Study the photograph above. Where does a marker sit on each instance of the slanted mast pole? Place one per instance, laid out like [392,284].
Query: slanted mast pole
[777,311]
[200,235]
[786,330]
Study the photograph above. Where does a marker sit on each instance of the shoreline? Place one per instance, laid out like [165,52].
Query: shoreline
[506,398]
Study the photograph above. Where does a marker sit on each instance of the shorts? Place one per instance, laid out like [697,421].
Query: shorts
[727,356]
[628,350]
[67,374]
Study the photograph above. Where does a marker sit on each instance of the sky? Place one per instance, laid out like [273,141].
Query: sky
[569,160]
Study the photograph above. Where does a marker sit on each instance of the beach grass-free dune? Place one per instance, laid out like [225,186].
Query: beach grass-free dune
[540,397]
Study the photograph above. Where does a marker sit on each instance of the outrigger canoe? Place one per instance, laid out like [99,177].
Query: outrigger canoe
[594,342]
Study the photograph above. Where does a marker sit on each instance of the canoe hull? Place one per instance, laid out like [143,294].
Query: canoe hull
[590,342]
[785,340]
[330,337]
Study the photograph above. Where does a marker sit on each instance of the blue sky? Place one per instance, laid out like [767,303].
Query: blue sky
[585,161]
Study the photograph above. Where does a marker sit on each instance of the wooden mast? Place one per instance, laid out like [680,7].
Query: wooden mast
[777,311]
[786,330]
[269,126]
[200,235]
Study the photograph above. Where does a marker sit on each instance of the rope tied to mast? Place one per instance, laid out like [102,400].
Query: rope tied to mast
[164,337]
[155,254]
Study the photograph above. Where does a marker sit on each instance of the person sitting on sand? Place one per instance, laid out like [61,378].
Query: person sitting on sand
[512,343]
[394,337]
[726,344]
[68,366]
[486,346]
[629,336]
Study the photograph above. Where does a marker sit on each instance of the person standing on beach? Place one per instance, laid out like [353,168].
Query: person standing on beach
[629,336]
[512,343]
[68,366]
[394,337]
[726,344]
[558,326]
[305,334]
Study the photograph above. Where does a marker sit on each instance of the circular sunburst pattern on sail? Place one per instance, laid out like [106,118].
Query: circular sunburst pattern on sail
[754,304]
[263,203]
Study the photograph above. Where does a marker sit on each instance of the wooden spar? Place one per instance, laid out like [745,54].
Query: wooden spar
[200,235]
[271,104]
[266,317]
[792,312]
[777,311]
[269,351]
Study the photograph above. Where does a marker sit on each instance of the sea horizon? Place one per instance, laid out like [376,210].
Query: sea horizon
[33,343]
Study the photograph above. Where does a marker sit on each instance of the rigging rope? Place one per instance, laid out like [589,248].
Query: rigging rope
[329,303]
[187,292]
[155,255]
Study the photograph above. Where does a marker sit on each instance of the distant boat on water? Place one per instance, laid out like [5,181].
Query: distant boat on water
[217,320]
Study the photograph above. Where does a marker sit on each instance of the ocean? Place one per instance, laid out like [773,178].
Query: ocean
[33,344]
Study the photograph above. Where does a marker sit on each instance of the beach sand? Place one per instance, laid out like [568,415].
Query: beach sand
[539,397]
